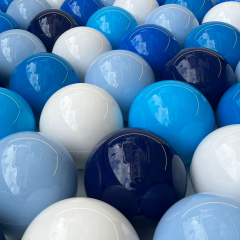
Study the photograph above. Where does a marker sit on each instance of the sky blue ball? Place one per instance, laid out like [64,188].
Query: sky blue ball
[121,73]
[220,37]
[4,4]
[16,114]
[1,235]
[221,1]
[39,76]
[175,111]
[35,172]
[201,217]
[113,22]
[7,22]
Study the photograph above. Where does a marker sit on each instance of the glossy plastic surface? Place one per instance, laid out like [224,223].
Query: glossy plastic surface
[108,2]
[123,74]
[35,172]
[175,111]
[7,22]
[177,19]
[80,46]
[48,25]
[2,236]
[113,22]
[204,69]
[201,217]
[81,10]
[154,43]
[4,4]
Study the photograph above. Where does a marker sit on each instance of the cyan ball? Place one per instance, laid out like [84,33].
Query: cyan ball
[35,172]
[4,4]
[7,22]
[123,74]
[39,76]
[113,22]
[175,111]
[16,115]
[1,235]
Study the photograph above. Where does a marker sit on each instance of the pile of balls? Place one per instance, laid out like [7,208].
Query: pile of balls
[130,91]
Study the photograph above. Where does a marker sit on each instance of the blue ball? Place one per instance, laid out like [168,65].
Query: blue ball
[16,115]
[4,4]
[175,111]
[81,10]
[121,73]
[221,1]
[113,22]
[7,22]
[2,236]
[108,2]
[161,2]
[39,76]
[35,172]
[154,43]
[201,217]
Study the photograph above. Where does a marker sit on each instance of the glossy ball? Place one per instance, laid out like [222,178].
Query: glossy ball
[81,10]
[204,69]
[108,2]
[4,4]
[7,22]
[123,74]
[175,111]
[49,25]
[177,19]
[161,2]
[80,46]
[2,236]
[35,172]
[140,9]
[154,43]
[113,22]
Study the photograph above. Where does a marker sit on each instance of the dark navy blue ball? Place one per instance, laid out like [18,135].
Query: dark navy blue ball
[2,236]
[161,2]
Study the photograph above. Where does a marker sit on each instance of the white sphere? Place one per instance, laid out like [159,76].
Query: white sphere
[140,9]
[80,218]
[55,3]
[216,162]
[80,46]
[79,116]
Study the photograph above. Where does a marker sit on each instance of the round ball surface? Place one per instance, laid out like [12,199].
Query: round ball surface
[35,172]
[108,2]
[2,236]
[7,22]
[123,74]
[221,1]
[4,4]
[55,4]
[204,69]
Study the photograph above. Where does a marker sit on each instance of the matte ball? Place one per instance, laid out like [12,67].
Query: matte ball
[113,22]
[80,46]
[7,22]
[2,236]
[123,74]
[16,115]
[175,111]
[4,4]
[136,172]
[204,69]
[49,25]
[108,2]
[154,43]
[35,172]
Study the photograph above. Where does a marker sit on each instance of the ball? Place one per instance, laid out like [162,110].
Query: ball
[221,1]
[161,2]
[35,172]
[2,236]
[49,25]
[204,69]
[214,2]
[121,73]
[108,2]
[177,19]
[4,4]
[154,43]
[113,22]
[7,22]
[140,9]
[55,4]
[81,46]
[237,72]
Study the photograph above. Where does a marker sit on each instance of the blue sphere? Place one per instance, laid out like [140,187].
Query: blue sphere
[154,43]
[7,22]
[175,111]
[121,73]
[35,172]
[2,236]
[113,22]
[161,2]
[4,4]
[16,115]
[221,1]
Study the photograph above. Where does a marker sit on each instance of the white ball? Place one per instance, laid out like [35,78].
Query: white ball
[216,162]
[140,9]
[79,116]
[80,218]
[56,4]
[80,46]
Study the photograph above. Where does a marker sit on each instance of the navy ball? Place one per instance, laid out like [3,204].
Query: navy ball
[2,236]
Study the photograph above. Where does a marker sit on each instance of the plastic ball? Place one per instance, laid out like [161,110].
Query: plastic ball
[175,111]
[81,46]
[49,25]
[121,73]
[35,172]
[2,236]
[108,2]
[81,10]
[204,69]
[201,217]
[177,19]
[221,1]
[161,2]
[154,43]
[113,22]
[7,22]
[140,9]
[237,72]
[4,4]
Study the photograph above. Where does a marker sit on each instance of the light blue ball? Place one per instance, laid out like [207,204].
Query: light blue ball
[7,22]
[108,2]
[16,115]
[35,172]
[201,217]
[175,111]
